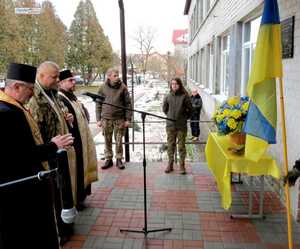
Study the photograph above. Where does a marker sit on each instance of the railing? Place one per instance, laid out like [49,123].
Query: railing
[209,127]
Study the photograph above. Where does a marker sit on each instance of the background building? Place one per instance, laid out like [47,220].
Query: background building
[180,41]
[222,37]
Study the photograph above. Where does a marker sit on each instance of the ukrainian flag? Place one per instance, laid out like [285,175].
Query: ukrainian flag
[260,124]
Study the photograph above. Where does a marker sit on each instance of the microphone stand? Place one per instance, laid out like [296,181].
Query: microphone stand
[63,179]
[145,231]
[42,175]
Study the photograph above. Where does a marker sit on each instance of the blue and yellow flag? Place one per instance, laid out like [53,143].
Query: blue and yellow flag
[260,124]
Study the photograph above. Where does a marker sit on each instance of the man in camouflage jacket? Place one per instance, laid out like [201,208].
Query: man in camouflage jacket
[52,117]
[112,119]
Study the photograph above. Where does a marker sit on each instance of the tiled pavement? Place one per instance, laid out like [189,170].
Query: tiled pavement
[189,204]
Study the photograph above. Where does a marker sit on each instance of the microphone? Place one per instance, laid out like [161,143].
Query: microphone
[95,97]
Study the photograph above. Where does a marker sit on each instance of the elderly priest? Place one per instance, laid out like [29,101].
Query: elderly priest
[26,209]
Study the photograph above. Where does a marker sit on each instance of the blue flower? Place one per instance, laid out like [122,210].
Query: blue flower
[223,125]
[244,98]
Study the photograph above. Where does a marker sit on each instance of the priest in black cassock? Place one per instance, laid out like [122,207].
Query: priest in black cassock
[86,161]
[26,209]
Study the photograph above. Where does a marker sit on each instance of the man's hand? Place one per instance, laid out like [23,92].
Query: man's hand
[293,174]
[291,177]
[69,118]
[126,124]
[63,141]
[99,124]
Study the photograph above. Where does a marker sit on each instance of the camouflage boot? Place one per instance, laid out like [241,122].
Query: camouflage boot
[169,167]
[182,169]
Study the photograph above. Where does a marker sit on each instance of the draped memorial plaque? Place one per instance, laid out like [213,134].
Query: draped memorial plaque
[287,37]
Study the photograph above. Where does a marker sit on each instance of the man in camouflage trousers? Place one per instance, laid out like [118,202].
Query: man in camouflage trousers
[113,120]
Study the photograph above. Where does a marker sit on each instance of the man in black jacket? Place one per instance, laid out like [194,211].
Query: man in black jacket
[24,154]
[195,117]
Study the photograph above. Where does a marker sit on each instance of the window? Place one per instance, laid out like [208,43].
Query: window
[225,42]
[198,67]
[204,8]
[190,67]
[195,67]
[207,62]
[196,16]
[250,33]
[208,2]
[211,66]
[200,12]
[192,24]
[203,67]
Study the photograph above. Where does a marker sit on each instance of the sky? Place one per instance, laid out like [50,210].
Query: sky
[163,15]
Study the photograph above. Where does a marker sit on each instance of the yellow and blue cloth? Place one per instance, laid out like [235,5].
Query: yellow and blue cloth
[260,124]
[222,163]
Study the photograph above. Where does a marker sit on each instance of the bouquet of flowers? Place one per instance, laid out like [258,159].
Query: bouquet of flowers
[229,117]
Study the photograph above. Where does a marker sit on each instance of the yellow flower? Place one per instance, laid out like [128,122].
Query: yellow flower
[215,114]
[230,115]
[233,101]
[236,114]
[226,112]
[219,118]
[231,123]
[245,106]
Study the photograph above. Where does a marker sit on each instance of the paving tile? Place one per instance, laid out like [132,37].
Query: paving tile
[94,212]
[107,181]
[242,246]
[189,204]
[191,235]
[174,182]
[90,241]
[82,229]
[213,245]
[200,168]
[85,220]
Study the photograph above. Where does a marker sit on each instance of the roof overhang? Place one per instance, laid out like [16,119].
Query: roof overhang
[187,6]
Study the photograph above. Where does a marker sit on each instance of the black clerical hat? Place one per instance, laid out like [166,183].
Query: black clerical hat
[65,74]
[21,72]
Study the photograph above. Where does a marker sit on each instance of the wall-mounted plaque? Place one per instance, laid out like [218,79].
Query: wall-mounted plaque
[287,37]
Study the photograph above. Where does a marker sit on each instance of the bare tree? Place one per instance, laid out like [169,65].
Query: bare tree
[144,39]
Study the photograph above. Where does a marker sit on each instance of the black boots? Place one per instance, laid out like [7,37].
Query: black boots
[182,168]
[107,164]
[169,167]
[120,164]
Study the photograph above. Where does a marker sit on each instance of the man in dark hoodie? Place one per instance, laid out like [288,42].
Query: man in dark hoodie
[195,117]
[113,119]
